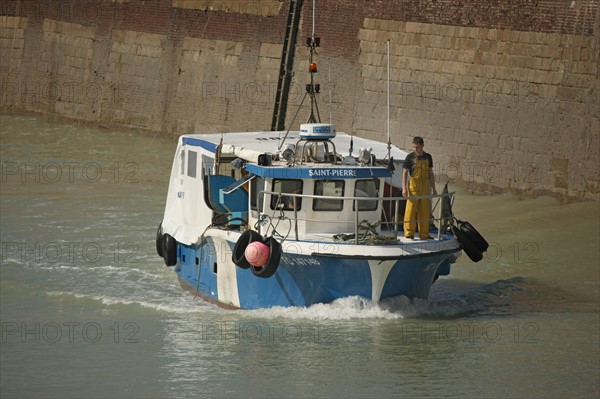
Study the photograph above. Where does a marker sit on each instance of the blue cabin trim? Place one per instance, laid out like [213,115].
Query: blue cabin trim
[317,173]
[207,145]
[235,203]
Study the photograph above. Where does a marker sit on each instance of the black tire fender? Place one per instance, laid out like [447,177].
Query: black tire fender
[159,241]
[270,268]
[169,250]
[474,236]
[238,256]
[468,246]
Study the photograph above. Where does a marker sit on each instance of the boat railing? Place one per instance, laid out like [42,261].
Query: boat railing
[391,226]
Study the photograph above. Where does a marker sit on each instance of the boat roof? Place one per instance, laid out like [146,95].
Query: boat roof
[269,142]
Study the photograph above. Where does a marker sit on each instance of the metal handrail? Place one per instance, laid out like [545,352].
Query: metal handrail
[357,222]
[356,198]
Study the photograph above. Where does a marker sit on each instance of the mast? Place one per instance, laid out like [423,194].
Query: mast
[286,66]
[389,139]
[313,89]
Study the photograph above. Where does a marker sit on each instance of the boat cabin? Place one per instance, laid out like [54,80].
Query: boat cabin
[299,190]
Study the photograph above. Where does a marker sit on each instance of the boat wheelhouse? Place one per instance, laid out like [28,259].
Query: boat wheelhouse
[332,224]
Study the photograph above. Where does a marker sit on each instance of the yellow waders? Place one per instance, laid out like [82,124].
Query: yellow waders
[418,210]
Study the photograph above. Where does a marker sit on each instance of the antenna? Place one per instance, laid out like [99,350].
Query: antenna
[388,101]
[314,18]
[329,84]
[313,89]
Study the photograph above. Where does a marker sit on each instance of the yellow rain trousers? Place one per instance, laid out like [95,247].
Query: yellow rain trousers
[418,211]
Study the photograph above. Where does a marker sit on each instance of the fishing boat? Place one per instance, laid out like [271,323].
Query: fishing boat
[299,217]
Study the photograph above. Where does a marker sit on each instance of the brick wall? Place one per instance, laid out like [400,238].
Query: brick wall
[504,92]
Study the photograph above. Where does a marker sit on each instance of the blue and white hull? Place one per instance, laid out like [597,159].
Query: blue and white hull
[304,278]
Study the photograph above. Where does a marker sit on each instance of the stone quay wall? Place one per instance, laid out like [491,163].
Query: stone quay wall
[505,93]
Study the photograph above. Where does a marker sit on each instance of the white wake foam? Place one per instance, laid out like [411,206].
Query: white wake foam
[488,298]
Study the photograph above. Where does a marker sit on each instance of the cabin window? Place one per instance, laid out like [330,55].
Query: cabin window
[367,188]
[192,161]
[208,165]
[182,156]
[256,186]
[286,202]
[329,188]
[225,168]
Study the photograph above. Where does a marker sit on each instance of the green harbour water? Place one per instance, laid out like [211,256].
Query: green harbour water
[87,308]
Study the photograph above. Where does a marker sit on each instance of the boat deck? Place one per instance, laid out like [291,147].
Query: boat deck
[389,238]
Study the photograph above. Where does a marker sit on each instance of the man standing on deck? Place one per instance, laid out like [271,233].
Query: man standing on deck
[419,165]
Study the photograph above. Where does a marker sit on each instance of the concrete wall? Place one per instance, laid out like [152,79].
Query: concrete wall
[506,93]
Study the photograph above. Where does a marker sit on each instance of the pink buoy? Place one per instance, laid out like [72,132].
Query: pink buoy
[257,254]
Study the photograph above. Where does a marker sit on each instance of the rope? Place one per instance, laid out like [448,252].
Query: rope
[367,234]
[268,220]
